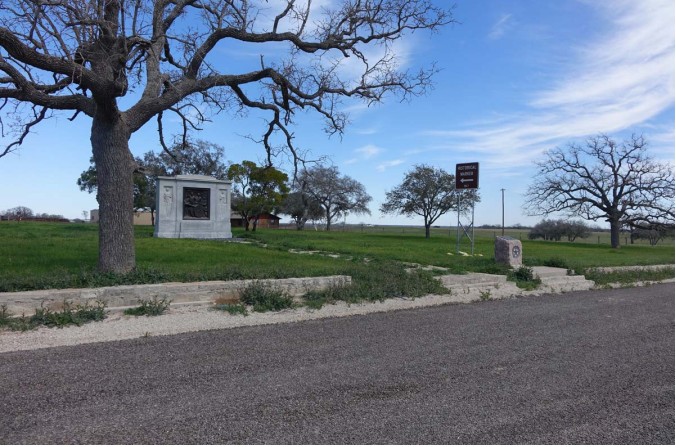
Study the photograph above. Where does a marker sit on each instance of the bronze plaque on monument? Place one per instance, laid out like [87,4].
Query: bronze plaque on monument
[196,202]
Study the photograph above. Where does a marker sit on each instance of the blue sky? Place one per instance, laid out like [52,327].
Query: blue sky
[517,77]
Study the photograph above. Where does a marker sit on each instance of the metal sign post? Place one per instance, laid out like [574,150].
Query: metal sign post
[466,177]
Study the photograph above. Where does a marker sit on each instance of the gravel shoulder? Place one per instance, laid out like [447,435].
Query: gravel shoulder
[199,317]
[184,318]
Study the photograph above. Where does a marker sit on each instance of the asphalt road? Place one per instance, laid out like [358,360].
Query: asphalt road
[590,367]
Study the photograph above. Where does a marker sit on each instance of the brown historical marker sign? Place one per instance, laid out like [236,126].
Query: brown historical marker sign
[467,176]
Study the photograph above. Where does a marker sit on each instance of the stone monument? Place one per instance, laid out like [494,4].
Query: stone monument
[508,251]
[192,206]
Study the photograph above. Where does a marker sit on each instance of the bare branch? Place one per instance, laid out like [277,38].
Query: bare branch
[40,115]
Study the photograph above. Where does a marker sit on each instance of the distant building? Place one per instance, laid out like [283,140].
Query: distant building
[140,217]
[265,220]
[143,218]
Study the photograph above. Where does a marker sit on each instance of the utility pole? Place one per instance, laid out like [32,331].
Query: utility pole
[503,210]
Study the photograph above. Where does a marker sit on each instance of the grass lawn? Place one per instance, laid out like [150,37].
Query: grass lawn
[440,249]
[36,255]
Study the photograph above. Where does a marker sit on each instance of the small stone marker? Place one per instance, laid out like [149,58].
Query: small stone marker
[193,206]
[508,251]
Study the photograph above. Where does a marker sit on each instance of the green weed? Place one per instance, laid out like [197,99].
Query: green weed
[524,278]
[264,298]
[150,308]
[316,299]
[68,315]
[232,309]
[628,277]
[485,295]
[378,281]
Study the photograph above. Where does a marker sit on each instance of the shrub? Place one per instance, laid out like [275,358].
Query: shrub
[524,278]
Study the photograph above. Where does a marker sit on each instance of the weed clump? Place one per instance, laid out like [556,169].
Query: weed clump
[69,315]
[381,280]
[524,278]
[232,309]
[149,308]
[628,277]
[264,298]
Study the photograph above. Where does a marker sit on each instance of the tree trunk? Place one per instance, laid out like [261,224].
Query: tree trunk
[115,194]
[427,230]
[328,220]
[614,232]
[300,222]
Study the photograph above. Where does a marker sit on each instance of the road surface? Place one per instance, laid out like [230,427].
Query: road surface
[594,367]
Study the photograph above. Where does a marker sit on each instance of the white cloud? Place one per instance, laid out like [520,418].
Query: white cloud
[369,151]
[389,164]
[364,153]
[635,60]
[501,27]
[620,80]
[366,131]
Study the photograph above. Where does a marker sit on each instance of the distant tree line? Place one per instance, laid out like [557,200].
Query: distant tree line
[24,213]
[653,233]
[555,230]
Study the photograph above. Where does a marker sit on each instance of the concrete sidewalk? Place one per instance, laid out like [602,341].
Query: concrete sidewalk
[463,288]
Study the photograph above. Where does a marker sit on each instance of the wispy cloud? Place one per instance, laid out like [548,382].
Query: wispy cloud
[364,153]
[389,164]
[499,29]
[369,151]
[622,79]
[366,131]
[395,55]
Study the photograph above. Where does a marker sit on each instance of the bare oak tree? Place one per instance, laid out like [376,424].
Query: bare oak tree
[158,58]
[602,179]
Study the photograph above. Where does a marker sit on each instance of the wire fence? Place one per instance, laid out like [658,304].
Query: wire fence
[597,237]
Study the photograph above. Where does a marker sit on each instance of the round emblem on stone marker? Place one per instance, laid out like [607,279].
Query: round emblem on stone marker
[516,251]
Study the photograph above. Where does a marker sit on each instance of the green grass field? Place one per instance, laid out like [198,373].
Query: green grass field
[35,255]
